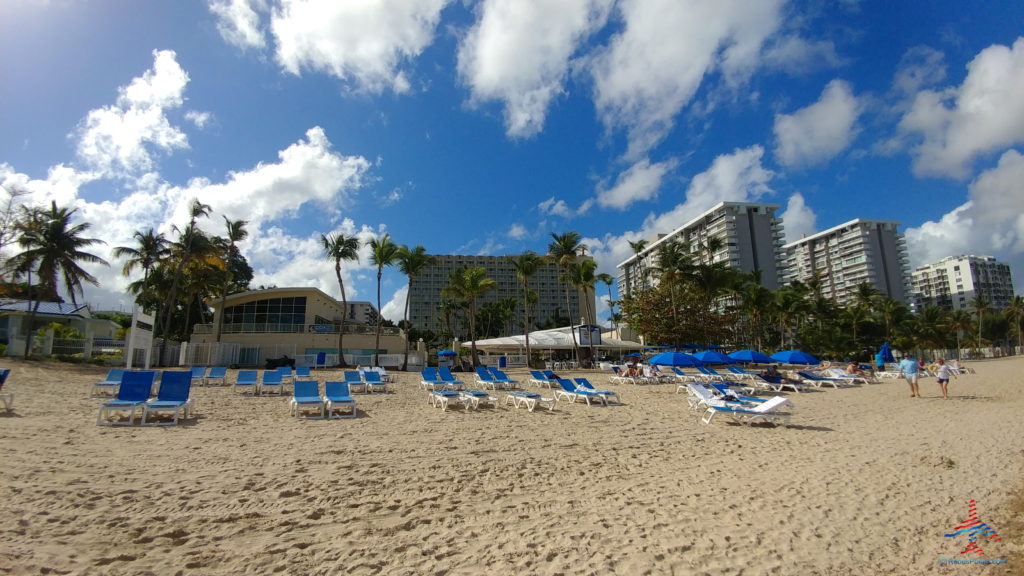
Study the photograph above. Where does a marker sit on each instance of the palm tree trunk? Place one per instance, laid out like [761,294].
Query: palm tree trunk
[572,327]
[472,332]
[526,321]
[376,343]
[405,360]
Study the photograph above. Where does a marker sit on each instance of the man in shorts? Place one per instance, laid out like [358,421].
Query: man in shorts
[909,368]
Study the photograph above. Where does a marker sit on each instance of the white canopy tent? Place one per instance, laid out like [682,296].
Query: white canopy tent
[555,339]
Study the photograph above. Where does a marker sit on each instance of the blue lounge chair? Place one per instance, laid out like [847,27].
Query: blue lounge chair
[444,398]
[474,398]
[354,381]
[336,395]
[6,397]
[306,394]
[271,383]
[584,384]
[450,381]
[710,373]
[173,396]
[484,378]
[302,372]
[723,390]
[373,381]
[740,372]
[817,380]
[247,382]
[217,375]
[111,382]
[134,391]
[539,378]
[572,393]
[531,400]
[503,378]
[198,373]
[429,379]
[321,360]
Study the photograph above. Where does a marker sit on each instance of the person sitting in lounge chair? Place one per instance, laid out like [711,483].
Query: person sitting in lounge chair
[773,375]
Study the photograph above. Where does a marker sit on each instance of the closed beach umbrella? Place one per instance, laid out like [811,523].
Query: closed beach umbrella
[674,359]
[794,357]
[886,352]
[713,357]
[752,356]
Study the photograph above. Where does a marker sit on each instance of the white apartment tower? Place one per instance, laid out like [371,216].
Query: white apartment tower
[845,256]
[425,297]
[751,235]
[953,282]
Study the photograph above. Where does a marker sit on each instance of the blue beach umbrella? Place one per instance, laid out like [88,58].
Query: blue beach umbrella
[886,352]
[794,357]
[674,359]
[713,357]
[447,353]
[752,356]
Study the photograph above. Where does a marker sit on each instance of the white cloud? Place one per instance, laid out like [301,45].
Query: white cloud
[518,52]
[517,231]
[394,309]
[649,71]
[991,222]
[919,67]
[239,23]
[555,208]
[365,43]
[116,140]
[797,56]
[200,119]
[819,132]
[983,115]
[798,219]
[735,177]
[640,182]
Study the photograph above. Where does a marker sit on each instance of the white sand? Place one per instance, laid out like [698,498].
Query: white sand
[867,481]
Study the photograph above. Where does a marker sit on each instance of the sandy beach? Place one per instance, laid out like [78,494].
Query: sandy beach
[866,481]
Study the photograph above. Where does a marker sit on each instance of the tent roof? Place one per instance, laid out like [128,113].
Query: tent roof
[555,339]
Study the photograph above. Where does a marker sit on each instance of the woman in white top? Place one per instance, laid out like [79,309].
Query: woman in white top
[942,376]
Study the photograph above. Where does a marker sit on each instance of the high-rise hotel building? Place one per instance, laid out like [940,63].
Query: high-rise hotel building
[850,254]
[751,235]
[954,282]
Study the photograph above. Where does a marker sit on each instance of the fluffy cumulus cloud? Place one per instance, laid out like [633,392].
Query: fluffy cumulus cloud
[735,177]
[651,69]
[553,207]
[819,132]
[991,222]
[518,53]
[364,43]
[238,22]
[798,56]
[950,128]
[120,139]
[798,218]
[517,231]
[640,182]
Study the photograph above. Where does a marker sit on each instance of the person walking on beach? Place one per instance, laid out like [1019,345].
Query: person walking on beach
[942,377]
[909,368]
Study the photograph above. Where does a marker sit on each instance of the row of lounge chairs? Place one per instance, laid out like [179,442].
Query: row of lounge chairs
[134,392]
[337,396]
[272,382]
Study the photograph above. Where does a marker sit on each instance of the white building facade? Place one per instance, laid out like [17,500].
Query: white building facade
[954,282]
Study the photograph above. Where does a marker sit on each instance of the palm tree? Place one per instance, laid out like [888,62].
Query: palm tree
[53,247]
[637,248]
[527,264]
[1015,312]
[980,304]
[196,210]
[411,263]
[581,277]
[467,285]
[236,233]
[960,321]
[608,280]
[150,249]
[383,252]
[340,248]
[563,251]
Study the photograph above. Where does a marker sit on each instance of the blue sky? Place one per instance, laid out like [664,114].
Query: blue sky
[482,127]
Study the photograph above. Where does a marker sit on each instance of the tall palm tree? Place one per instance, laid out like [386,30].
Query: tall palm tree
[468,284]
[236,232]
[411,262]
[563,250]
[637,248]
[340,248]
[1015,312]
[150,249]
[980,304]
[53,247]
[196,210]
[607,279]
[526,264]
[383,252]
[582,277]
[959,322]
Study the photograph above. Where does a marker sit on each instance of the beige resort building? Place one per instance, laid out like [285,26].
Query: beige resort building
[299,322]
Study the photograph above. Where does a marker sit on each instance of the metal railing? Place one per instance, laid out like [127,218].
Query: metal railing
[278,328]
